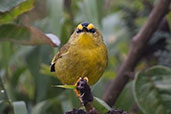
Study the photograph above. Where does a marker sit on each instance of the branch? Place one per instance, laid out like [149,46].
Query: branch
[138,45]
[83,91]
[86,96]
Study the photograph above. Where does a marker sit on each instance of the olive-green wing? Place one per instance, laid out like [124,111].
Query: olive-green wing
[60,53]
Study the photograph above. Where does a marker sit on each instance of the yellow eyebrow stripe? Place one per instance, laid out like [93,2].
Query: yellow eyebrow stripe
[80,27]
[90,26]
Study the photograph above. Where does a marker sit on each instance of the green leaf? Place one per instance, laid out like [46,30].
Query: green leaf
[101,106]
[19,107]
[16,75]
[8,16]
[65,86]
[126,97]
[6,107]
[50,106]
[26,35]
[65,101]
[5,104]
[6,50]
[152,90]
[40,107]
[37,56]
[3,94]
[6,5]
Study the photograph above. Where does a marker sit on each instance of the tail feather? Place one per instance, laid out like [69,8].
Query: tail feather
[52,67]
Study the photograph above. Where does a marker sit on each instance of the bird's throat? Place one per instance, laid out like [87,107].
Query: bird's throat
[86,39]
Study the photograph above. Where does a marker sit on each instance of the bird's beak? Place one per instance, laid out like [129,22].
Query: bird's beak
[85,29]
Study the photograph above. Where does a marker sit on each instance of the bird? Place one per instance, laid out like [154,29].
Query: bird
[85,55]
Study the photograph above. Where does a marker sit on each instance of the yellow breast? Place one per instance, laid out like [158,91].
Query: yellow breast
[86,40]
[86,58]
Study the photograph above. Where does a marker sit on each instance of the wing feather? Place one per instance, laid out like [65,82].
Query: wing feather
[60,53]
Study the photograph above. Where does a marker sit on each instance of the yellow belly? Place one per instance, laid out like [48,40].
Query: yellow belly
[82,62]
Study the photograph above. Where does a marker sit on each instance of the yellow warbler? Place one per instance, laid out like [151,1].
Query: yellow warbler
[84,55]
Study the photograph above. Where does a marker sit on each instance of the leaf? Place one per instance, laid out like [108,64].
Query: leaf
[152,90]
[16,75]
[101,106]
[50,106]
[6,107]
[45,69]
[8,14]
[7,5]
[40,107]
[53,38]
[65,101]
[5,104]
[26,81]
[19,107]
[26,35]
[125,98]
[65,86]
[3,93]
[33,59]
[5,52]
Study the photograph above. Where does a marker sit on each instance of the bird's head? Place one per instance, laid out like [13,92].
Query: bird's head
[86,33]
[86,28]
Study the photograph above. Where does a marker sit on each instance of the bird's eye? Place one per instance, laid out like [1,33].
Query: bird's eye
[92,30]
[78,30]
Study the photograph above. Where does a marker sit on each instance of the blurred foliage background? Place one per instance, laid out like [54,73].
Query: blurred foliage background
[25,80]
